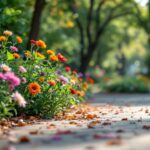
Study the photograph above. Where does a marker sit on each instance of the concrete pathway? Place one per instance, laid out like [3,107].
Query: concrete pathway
[122,123]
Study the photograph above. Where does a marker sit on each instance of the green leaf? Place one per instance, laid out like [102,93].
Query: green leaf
[9,56]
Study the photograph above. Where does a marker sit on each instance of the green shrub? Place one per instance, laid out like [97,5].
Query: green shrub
[34,83]
[126,85]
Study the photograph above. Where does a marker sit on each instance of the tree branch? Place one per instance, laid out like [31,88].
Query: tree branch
[80,27]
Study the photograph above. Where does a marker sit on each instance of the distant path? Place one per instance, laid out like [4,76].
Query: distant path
[124,125]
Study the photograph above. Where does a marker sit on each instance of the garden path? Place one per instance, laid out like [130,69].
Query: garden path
[122,123]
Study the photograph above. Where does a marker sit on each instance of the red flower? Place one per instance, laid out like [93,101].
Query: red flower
[73,91]
[33,42]
[61,58]
[68,69]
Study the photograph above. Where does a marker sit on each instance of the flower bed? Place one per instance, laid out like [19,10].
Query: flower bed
[35,83]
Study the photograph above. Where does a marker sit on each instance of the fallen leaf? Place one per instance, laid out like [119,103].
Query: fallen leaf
[106,123]
[147,127]
[124,119]
[33,132]
[24,139]
[114,142]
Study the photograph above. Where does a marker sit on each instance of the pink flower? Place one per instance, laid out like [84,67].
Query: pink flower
[63,79]
[23,80]
[12,79]
[19,99]
[22,69]
[13,48]
[2,77]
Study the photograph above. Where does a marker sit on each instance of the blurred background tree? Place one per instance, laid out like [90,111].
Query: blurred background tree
[110,33]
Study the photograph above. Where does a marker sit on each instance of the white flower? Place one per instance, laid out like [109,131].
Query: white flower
[19,99]
[37,67]
[5,67]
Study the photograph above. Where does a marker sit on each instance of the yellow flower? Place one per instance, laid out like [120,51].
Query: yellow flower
[2,38]
[28,54]
[69,24]
[7,33]
[50,52]
[41,79]
[19,39]
[41,44]
[40,55]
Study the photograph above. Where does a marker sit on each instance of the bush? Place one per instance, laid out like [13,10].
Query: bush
[34,83]
[126,85]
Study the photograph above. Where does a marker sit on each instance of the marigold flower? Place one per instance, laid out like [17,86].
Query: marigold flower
[54,58]
[90,80]
[19,99]
[19,39]
[41,44]
[50,52]
[85,85]
[80,93]
[2,38]
[40,55]
[16,55]
[27,54]
[52,82]
[7,33]
[34,88]
[73,91]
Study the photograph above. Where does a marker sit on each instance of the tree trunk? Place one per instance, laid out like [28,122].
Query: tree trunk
[85,59]
[35,23]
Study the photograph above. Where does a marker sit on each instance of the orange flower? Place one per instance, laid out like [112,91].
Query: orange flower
[54,58]
[50,52]
[16,55]
[34,88]
[85,85]
[41,44]
[19,39]
[2,38]
[80,93]
[27,54]
[52,82]
[90,80]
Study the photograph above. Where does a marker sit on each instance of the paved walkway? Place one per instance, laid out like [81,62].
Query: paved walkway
[122,123]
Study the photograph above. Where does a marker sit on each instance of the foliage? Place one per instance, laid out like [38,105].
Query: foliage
[44,87]
[126,85]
